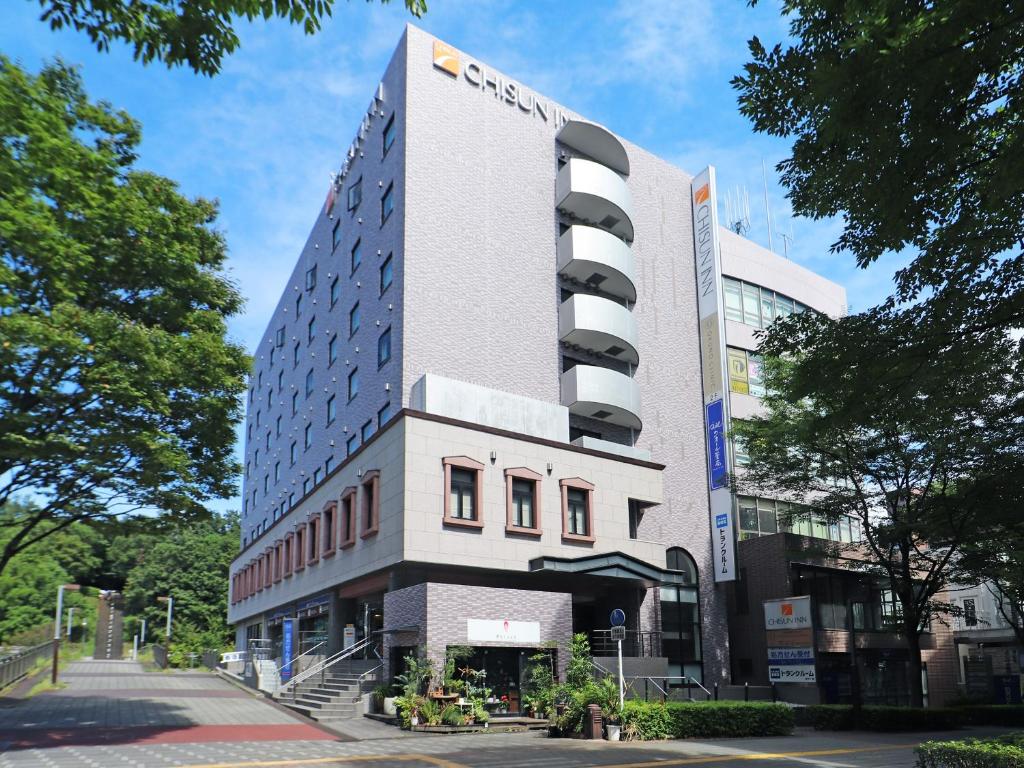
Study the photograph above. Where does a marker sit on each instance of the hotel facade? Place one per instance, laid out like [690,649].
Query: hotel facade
[492,403]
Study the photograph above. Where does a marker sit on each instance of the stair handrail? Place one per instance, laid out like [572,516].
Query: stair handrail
[328,662]
[288,664]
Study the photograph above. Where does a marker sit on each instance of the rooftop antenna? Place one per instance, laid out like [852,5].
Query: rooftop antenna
[767,210]
[737,210]
[787,238]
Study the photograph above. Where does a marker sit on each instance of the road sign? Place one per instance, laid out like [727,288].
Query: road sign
[618,633]
[618,617]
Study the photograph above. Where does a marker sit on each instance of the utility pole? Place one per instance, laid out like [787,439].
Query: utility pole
[57,621]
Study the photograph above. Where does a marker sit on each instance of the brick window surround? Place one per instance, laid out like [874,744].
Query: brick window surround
[522,473]
[289,557]
[313,539]
[347,518]
[259,573]
[329,516]
[369,509]
[278,564]
[464,462]
[299,550]
[575,482]
[268,568]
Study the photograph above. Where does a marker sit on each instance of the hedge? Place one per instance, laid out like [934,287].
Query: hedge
[1002,752]
[993,714]
[714,719]
[843,717]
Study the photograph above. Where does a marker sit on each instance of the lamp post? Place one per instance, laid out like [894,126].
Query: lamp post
[71,618]
[142,635]
[57,620]
[170,612]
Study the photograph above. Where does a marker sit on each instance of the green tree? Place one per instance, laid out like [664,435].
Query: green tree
[858,423]
[118,388]
[197,33]
[906,120]
[191,565]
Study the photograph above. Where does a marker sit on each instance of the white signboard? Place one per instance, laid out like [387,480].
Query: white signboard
[502,631]
[788,613]
[791,665]
[711,314]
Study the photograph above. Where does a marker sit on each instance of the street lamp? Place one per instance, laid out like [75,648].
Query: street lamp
[57,621]
[71,617]
[170,612]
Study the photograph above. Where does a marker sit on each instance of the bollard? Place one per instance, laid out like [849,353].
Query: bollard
[746,691]
[716,691]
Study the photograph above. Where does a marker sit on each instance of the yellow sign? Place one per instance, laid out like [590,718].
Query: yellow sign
[446,58]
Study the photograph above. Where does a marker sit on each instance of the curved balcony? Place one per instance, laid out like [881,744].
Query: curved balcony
[595,257]
[595,195]
[600,325]
[602,394]
[596,142]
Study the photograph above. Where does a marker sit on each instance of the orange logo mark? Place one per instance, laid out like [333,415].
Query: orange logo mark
[701,195]
[787,609]
[446,58]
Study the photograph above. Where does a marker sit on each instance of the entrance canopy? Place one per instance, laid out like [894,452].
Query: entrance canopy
[615,565]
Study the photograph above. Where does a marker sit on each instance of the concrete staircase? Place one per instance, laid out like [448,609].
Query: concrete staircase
[337,697]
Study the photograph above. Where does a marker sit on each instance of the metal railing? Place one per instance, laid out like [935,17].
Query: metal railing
[322,667]
[290,664]
[666,687]
[16,666]
[636,643]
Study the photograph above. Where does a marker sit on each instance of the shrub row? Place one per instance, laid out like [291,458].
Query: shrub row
[718,719]
[1002,752]
[841,717]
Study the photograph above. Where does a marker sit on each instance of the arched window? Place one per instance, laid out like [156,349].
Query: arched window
[678,559]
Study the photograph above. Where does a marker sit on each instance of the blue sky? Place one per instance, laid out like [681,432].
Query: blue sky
[264,135]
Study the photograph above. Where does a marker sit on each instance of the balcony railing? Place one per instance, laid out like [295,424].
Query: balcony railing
[603,394]
[600,326]
[599,259]
[595,195]
[635,644]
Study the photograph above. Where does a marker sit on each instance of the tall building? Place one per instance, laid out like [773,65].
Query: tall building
[477,415]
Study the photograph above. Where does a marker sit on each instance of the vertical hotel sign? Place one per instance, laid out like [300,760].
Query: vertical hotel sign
[711,315]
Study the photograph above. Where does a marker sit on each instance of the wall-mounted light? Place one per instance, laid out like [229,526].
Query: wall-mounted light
[494,456]
[550,467]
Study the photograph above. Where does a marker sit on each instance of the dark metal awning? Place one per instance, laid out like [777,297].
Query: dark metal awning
[615,565]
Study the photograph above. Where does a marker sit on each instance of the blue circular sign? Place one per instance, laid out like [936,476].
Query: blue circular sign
[618,617]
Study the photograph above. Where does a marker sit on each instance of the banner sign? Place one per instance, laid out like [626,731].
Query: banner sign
[287,649]
[711,318]
[791,665]
[502,631]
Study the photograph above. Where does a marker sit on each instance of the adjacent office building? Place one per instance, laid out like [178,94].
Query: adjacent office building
[491,404]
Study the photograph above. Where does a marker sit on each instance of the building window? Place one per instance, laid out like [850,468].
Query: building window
[756,306]
[296,354]
[277,472]
[680,617]
[299,548]
[367,431]
[309,383]
[331,410]
[293,453]
[745,374]
[279,337]
[329,521]
[387,203]
[389,135]
[371,503]
[335,236]
[386,274]
[353,320]
[278,560]
[335,291]
[577,510]
[258,415]
[308,439]
[353,384]
[313,534]
[383,415]
[351,445]
[298,305]
[311,278]
[355,194]
[463,492]
[280,381]
[311,329]
[289,557]
[332,350]
[317,474]
[970,613]
[522,501]
[266,484]
[328,465]
[347,521]
[256,458]
[384,347]
[295,403]
[357,255]
[267,446]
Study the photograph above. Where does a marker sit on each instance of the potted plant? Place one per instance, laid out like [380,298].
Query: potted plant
[608,699]
[379,696]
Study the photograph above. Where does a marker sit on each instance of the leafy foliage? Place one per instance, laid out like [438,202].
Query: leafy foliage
[1000,752]
[647,721]
[118,388]
[842,717]
[197,33]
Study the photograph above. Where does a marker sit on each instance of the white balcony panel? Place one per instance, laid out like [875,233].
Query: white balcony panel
[597,142]
[599,325]
[602,394]
[598,258]
[596,195]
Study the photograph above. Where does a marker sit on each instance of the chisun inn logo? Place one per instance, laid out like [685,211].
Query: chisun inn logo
[446,58]
[699,197]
